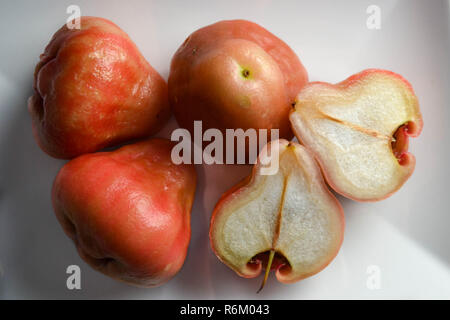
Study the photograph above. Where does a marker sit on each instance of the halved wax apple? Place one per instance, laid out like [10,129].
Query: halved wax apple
[358,130]
[288,221]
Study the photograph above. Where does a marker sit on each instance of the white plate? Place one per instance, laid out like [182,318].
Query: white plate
[402,241]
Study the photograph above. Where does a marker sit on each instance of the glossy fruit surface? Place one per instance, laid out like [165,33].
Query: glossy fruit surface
[94,89]
[128,211]
[235,74]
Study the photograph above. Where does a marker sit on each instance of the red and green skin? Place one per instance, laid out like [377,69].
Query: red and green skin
[128,211]
[205,82]
[94,89]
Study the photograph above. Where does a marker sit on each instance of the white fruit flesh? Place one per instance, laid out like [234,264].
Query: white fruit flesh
[291,212]
[350,130]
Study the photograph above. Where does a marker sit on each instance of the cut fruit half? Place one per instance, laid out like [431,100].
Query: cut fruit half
[358,130]
[288,221]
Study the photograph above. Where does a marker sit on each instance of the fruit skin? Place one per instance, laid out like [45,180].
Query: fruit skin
[94,89]
[413,128]
[207,81]
[128,211]
[240,188]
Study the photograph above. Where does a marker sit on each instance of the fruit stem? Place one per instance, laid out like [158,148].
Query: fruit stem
[269,265]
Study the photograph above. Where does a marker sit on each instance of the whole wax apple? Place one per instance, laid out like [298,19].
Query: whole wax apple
[94,89]
[287,220]
[235,74]
[128,211]
[358,130]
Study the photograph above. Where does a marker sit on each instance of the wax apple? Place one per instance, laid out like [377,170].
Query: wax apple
[128,211]
[287,221]
[94,89]
[358,130]
[235,74]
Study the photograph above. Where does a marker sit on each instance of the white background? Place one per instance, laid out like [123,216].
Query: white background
[407,236]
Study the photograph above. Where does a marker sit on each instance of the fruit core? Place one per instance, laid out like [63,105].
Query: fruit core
[399,142]
[279,261]
[270,260]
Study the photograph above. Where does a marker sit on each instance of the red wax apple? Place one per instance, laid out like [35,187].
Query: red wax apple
[235,74]
[288,221]
[128,211]
[358,130]
[94,89]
